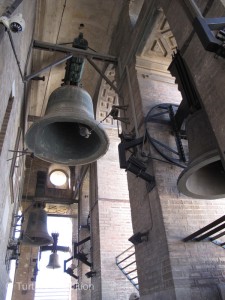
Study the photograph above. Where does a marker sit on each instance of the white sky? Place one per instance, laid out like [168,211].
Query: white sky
[56,280]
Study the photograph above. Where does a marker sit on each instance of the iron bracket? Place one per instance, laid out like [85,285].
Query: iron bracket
[125,145]
[176,132]
[165,114]
[79,256]
[133,164]
[139,237]
[204,28]
[114,113]
[20,153]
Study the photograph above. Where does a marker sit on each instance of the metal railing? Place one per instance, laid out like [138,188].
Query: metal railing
[126,262]
[211,232]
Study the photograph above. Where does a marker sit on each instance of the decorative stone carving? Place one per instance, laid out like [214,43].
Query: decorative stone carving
[156,55]
[58,209]
[107,98]
[161,42]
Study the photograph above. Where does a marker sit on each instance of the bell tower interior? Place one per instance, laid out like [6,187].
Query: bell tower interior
[112,118]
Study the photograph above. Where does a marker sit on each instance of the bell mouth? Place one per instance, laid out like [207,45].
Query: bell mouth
[62,140]
[204,178]
[68,133]
[37,241]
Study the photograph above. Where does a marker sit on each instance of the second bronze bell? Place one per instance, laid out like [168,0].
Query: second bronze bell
[53,261]
[36,233]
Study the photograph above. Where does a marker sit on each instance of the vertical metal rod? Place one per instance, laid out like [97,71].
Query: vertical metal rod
[132,102]
[15,54]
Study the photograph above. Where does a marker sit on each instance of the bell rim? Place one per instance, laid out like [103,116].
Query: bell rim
[198,163]
[47,240]
[47,120]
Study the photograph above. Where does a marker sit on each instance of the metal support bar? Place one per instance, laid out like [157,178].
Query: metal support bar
[74,51]
[81,256]
[131,271]
[204,229]
[124,251]
[213,231]
[215,23]
[203,27]
[134,278]
[62,216]
[53,64]
[122,268]
[164,146]
[125,258]
[15,54]
[82,242]
[103,75]
[217,236]
[58,248]
[128,265]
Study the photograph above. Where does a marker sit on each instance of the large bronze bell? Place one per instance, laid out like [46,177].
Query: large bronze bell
[204,178]
[68,134]
[53,261]
[36,233]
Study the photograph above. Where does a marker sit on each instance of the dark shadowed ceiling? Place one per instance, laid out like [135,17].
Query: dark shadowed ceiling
[61,21]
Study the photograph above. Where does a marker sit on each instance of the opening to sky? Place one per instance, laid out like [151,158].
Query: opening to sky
[54,284]
[51,284]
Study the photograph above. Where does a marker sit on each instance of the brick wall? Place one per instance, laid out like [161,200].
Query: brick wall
[110,225]
[84,292]
[168,268]
[196,268]
[95,240]
[10,80]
